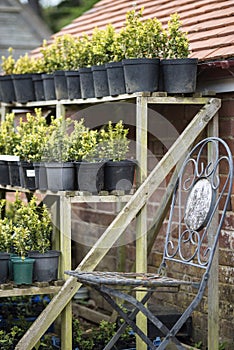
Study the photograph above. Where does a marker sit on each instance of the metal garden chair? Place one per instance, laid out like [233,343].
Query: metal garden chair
[199,203]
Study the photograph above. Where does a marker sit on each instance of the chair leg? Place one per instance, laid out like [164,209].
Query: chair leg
[140,307]
[106,292]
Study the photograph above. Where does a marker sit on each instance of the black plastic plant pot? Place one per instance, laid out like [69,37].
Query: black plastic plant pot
[60,176]
[60,85]
[7,90]
[4,173]
[90,176]
[15,173]
[73,84]
[141,74]
[28,175]
[45,266]
[100,82]
[179,75]
[48,84]
[115,78]
[86,82]
[40,176]
[119,175]
[38,87]
[24,87]
[4,266]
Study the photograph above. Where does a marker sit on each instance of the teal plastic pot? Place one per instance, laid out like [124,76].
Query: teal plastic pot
[22,270]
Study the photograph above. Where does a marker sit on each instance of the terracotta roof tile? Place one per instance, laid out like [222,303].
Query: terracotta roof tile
[209,23]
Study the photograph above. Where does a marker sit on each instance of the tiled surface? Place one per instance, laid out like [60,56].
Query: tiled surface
[209,23]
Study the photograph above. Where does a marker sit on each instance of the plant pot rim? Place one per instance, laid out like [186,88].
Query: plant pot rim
[114,64]
[72,72]
[85,70]
[49,253]
[59,164]
[143,60]
[179,60]
[100,67]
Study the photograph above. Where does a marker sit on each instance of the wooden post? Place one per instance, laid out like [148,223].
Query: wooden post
[213,283]
[65,246]
[141,223]
[120,223]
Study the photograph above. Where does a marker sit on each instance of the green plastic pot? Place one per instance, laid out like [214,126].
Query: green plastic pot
[22,270]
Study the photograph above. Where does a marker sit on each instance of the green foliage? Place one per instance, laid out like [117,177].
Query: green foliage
[9,339]
[140,38]
[26,226]
[58,143]
[9,139]
[24,64]
[113,142]
[96,337]
[177,45]
[33,134]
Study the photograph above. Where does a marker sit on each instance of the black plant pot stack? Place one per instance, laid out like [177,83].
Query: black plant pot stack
[7,90]
[60,176]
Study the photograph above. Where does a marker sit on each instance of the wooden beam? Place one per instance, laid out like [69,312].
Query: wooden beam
[213,283]
[120,223]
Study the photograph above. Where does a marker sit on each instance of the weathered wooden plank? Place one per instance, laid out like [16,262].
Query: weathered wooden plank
[213,283]
[89,314]
[65,246]
[141,220]
[119,224]
[28,291]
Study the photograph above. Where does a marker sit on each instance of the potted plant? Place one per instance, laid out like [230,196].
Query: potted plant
[60,169]
[84,151]
[114,146]
[32,229]
[8,141]
[33,135]
[178,70]
[140,45]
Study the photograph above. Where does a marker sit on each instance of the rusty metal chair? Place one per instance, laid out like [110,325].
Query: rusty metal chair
[194,225]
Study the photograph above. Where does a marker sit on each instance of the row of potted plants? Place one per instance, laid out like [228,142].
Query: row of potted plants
[65,155]
[109,62]
[25,242]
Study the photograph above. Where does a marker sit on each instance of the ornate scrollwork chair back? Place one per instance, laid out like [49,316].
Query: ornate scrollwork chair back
[199,203]
[200,200]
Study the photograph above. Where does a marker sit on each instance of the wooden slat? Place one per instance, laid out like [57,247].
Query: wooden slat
[120,223]
[213,283]
[28,291]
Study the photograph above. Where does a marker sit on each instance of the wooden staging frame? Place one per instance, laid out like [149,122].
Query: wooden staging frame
[134,207]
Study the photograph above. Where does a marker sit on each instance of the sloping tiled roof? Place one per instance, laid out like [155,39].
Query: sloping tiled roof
[209,23]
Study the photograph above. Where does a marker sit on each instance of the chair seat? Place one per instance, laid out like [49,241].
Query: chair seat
[127,279]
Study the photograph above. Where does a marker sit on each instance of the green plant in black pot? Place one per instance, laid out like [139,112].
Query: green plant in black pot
[6,231]
[114,146]
[140,44]
[84,151]
[59,167]
[179,72]
[33,134]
